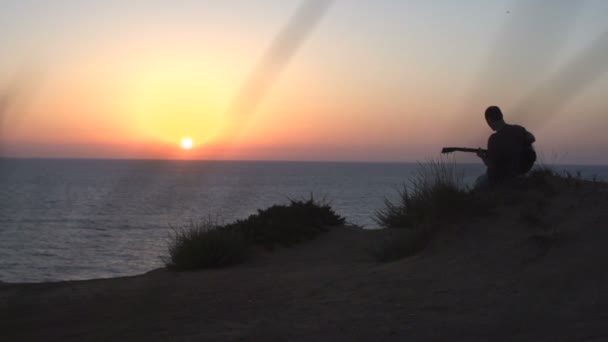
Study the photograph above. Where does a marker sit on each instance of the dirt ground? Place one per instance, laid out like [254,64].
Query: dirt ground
[504,277]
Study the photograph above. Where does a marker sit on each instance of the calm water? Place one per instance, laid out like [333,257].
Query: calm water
[81,219]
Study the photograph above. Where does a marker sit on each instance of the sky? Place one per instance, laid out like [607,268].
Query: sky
[361,81]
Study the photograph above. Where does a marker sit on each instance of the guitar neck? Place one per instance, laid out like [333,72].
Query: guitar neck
[466,149]
[460,149]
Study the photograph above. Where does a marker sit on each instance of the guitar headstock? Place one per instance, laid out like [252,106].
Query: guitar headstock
[448,149]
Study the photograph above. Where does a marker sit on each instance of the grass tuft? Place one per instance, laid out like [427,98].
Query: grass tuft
[436,195]
[206,245]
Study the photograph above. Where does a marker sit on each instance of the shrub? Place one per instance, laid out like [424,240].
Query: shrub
[289,224]
[206,245]
[209,245]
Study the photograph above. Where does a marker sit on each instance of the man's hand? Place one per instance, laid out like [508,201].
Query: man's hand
[483,154]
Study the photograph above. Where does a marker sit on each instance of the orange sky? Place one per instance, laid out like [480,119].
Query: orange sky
[367,84]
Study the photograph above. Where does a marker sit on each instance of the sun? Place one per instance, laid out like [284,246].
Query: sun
[186,143]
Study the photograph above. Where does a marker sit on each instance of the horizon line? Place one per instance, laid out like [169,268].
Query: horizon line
[269,160]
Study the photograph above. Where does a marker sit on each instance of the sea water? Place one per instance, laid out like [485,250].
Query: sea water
[82,219]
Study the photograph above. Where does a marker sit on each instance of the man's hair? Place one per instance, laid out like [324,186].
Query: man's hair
[493,113]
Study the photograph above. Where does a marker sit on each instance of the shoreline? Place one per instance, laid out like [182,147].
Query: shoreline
[499,278]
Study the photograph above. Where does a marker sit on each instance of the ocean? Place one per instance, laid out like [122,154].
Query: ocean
[82,219]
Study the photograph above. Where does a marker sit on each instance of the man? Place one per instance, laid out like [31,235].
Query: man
[510,152]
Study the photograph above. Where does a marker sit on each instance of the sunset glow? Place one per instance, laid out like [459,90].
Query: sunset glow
[372,81]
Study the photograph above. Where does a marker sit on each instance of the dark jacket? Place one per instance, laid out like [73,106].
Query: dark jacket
[505,149]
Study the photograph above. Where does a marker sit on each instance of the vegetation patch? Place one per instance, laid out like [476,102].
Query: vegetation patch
[211,245]
[436,195]
[289,224]
[548,181]
[542,179]
[206,245]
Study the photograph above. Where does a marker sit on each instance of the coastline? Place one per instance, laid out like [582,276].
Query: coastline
[493,278]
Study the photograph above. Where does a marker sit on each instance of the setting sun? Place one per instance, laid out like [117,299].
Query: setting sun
[186,143]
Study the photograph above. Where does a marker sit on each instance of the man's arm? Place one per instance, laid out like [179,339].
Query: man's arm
[489,157]
[483,154]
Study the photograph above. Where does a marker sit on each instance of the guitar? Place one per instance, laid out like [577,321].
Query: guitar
[462,149]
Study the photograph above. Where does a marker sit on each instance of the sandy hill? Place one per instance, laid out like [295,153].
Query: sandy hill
[533,270]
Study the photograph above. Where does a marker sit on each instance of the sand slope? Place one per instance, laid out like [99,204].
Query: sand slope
[496,278]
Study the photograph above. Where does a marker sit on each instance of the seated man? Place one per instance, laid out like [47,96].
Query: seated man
[510,152]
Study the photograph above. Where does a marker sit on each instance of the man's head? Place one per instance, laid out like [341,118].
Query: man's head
[494,118]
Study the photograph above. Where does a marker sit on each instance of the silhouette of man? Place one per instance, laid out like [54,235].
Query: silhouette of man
[510,152]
